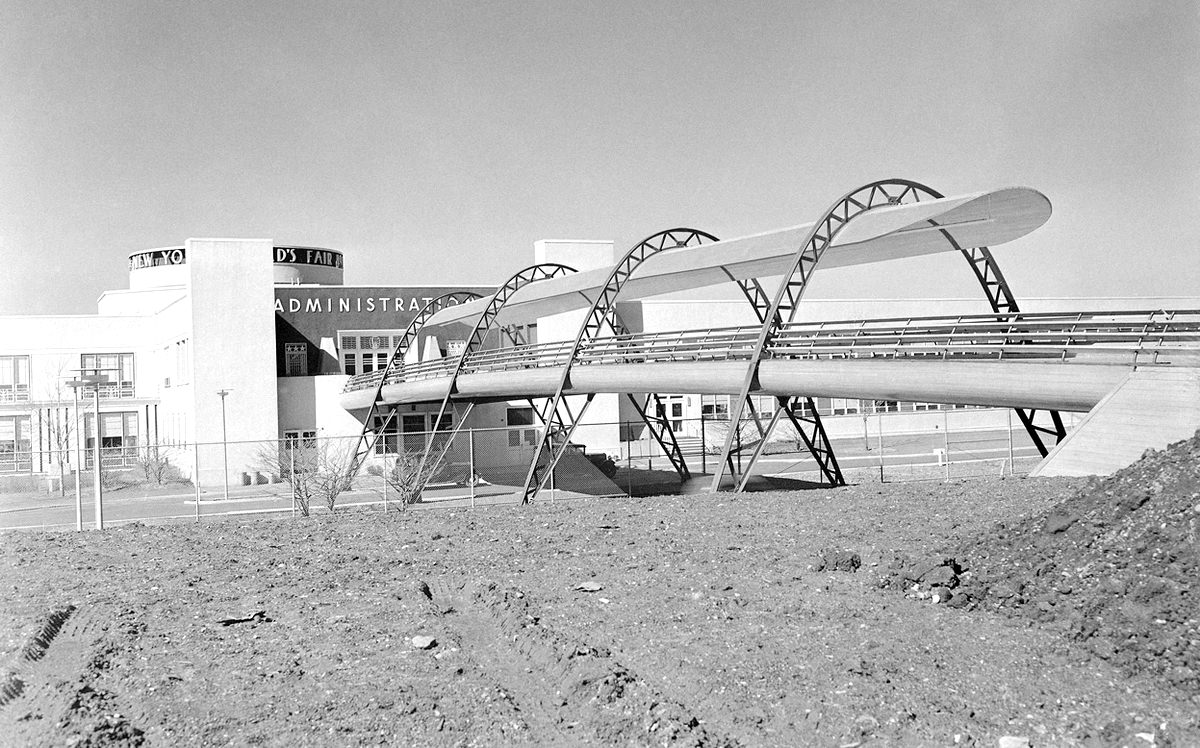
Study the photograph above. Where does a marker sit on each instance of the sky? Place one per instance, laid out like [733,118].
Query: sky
[434,142]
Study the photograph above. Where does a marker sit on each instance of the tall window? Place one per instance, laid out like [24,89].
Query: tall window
[14,379]
[15,454]
[118,367]
[295,359]
[118,438]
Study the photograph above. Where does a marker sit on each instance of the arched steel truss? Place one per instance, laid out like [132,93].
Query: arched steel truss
[602,313]
[800,410]
[795,282]
[483,325]
[370,433]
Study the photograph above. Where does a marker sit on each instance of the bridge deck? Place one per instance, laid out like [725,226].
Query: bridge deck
[1059,361]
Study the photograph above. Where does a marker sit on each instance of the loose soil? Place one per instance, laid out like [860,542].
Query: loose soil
[956,613]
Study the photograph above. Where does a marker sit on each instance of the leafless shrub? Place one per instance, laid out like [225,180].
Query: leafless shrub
[317,469]
[156,465]
[407,477]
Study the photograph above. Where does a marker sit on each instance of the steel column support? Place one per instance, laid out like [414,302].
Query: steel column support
[815,439]
[483,325]
[601,314]
[369,435]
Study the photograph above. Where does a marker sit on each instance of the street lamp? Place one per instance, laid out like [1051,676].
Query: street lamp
[94,381]
[224,442]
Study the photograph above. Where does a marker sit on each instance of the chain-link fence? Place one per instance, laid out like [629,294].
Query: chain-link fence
[302,475]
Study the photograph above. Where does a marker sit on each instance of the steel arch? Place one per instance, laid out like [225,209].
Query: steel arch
[483,325]
[817,442]
[792,288]
[1002,300]
[411,333]
[603,311]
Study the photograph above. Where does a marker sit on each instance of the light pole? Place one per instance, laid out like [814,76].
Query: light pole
[224,443]
[75,384]
[94,381]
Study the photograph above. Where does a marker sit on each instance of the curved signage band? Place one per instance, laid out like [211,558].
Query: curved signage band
[603,312]
[281,255]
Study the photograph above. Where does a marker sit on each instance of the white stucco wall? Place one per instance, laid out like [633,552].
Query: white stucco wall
[233,328]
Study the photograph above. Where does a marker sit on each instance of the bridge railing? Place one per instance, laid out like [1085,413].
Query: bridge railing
[1119,337]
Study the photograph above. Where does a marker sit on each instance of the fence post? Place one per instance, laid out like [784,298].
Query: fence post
[471,463]
[629,460]
[1012,465]
[703,445]
[292,476]
[879,444]
[946,439]
[385,476]
[196,479]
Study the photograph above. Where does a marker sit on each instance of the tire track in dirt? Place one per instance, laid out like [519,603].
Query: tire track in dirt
[568,691]
[50,696]
[13,684]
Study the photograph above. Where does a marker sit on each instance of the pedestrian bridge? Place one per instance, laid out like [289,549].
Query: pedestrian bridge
[1141,364]
[1066,362]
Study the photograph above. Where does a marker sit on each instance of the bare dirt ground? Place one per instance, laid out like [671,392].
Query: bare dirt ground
[772,619]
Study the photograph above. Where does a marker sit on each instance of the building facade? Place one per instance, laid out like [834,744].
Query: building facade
[271,326]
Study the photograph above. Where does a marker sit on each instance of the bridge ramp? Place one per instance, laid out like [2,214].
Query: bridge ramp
[1151,408]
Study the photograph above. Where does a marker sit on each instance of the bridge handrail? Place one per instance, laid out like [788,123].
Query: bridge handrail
[1043,335]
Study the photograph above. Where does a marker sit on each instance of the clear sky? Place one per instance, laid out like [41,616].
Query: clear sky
[435,142]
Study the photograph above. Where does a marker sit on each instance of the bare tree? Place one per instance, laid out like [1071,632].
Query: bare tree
[317,469]
[61,422]
[407,477]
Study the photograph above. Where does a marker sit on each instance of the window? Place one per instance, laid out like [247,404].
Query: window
[118,438]
[295,359]
[118,367]
[14,379]
[886,406]
[843,406]
[413,427]
[388,440]
[15,448]
[364,352]
[518,419]
[299,438]
[714,407]
[299,447]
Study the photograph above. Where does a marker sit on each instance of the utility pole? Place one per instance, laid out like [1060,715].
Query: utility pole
[224,443]
[94,381]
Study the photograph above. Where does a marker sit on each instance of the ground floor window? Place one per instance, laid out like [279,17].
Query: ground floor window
[408,430]
[413,427]
[15,444]
[714,407]
[519,419]
[118,438]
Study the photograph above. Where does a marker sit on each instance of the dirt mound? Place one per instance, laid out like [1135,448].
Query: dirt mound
[1116,565]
